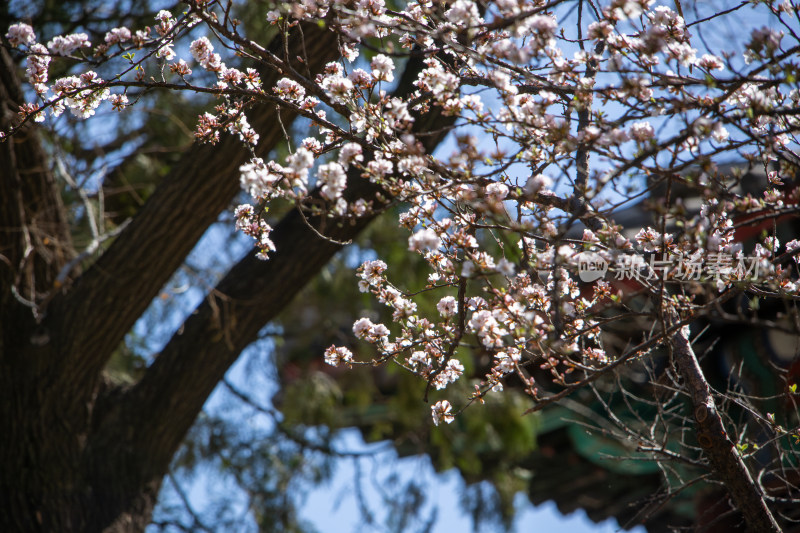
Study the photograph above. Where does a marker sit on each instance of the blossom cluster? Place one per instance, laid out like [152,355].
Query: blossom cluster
[544,136]
[250,224]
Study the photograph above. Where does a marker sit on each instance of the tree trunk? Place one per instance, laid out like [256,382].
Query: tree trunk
[726,464]
[71,460]
[82,454]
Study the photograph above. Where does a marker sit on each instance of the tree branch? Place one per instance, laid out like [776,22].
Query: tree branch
[107,300]
[579,205]
[727,465]
[34,234]
[165,402]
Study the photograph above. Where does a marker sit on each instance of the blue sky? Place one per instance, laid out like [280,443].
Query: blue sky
[333,506]
[331,510]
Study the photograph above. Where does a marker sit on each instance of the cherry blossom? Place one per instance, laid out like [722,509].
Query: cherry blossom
[65,45]
[447,306]
[441,412]
[549,134]
[337,356]
[118,36]
[20,34]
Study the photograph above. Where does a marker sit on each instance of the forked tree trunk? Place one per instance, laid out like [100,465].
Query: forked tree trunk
[78,453]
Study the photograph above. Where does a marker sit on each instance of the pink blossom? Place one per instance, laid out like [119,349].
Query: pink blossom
[642,131]
[336,356]
[118,36]
[447,306]
[333,179]
[289,89]
[382,67]
[19,34]
[424,240]
[440,412]
[536,184]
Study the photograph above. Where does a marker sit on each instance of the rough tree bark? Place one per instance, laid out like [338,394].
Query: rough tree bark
[57,475]
[726,463]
